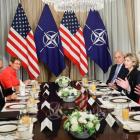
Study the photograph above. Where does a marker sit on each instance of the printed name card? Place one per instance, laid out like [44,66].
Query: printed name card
[46,91]
[77,83]
[45,104]
[91,101]
[110,120]
[82,90]
[47,123]
[46,85]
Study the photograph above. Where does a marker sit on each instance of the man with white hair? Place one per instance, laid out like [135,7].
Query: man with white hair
[117,70]
[6,94]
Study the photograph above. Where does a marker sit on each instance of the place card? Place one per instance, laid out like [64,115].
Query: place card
[82,90]
[46,85]
[45,104]
[91,101]
[77,83]
[47,123]
[46,91]
[110,120]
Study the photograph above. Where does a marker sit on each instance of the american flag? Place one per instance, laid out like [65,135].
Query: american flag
[21,43]
[81,101]
[73,41]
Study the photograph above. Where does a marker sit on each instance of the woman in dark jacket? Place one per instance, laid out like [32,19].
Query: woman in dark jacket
[130,82]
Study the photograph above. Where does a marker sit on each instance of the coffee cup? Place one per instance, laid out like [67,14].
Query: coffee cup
[23,132]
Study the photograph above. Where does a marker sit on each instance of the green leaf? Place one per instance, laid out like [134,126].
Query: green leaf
[92,130]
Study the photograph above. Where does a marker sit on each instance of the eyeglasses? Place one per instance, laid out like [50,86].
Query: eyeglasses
[17,64]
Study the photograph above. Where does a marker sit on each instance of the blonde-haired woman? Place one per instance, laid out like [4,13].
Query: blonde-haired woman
[130,82]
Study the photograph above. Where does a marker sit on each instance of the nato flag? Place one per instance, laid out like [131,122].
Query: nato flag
[48,42]
[96,40]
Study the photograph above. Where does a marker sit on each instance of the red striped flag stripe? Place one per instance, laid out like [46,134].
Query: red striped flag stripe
[25,49]
[74,48]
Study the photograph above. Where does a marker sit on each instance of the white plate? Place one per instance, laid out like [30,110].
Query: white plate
[17,106]
[119,100]
[104,89]
[26,94]
[102,84]
[7,128]
[137,117]
[108,106]
[28,137]
[133,126]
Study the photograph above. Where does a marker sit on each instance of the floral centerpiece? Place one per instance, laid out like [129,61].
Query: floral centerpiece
[68,94]
[63,81]
[82,124]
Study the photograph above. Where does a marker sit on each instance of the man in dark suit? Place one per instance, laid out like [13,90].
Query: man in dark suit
[117,70]
[6,94]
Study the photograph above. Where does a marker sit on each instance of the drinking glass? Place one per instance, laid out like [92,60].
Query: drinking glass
[33,88]
[125,112]
[25,117]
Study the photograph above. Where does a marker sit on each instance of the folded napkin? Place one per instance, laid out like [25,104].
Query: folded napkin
[22,88]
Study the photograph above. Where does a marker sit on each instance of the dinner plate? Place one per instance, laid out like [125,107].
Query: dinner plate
[108,106]
[27,137]
[120,100]
[135,117]
[103,89]
[103,84]
[132,127]
[6,128]
[16,106]
[26,94]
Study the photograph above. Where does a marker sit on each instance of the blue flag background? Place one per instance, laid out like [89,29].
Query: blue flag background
[96,40]
[48,42]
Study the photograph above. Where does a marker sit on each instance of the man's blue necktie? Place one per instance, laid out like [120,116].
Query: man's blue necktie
[116,73]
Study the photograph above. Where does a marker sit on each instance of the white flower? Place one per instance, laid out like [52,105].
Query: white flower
[74,113]
[91,117]
[81,113]
[74,127]
[67,126]
[89,124]
[82,120]
[65,89]
[97,127]
[74,120]
[59,93]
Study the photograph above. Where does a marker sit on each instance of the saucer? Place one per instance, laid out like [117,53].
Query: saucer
[27,137]
[33,111]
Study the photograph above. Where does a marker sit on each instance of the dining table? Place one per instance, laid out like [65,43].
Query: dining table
[63,109]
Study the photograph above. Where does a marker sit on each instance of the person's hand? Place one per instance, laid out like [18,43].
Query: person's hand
[11,97]
[112,85]
[16,88]
[27,82]
[137,89]
[123,83]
